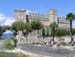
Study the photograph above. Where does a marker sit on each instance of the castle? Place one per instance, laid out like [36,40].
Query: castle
[23,15]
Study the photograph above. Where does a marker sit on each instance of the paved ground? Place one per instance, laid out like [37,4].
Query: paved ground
[48,51]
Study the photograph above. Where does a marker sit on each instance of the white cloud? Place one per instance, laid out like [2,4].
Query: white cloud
[2,17]
[5,20]
[27,12]
[8,22]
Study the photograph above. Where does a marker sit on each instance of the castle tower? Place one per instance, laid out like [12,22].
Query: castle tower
[52,16]
[20,15]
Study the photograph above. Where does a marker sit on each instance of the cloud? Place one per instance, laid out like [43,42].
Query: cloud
[2,17]
[9,21]
[5,20]
[28,11]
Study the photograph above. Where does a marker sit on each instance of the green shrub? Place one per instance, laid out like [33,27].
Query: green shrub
[15,42]
[43,32]
[8,44]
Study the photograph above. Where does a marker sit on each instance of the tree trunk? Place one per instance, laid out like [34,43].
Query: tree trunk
[26,39]
[53,34]
[71,32]
[26,36]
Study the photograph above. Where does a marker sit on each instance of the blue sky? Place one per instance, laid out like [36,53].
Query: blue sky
[39,6]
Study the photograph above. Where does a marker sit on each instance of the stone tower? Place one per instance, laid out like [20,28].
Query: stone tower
[20,15]
[52,16]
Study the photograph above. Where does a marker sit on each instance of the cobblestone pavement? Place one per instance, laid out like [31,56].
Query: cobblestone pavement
[48,51]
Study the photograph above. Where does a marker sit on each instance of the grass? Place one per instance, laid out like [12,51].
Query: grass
[13,54]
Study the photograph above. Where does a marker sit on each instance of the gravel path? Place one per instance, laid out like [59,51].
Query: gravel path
[48,51]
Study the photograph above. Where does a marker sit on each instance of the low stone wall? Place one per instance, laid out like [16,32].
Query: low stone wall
[33,37]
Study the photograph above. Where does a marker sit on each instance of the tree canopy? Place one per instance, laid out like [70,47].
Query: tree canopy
[36,25]
[53,25]
[18,26]
[28,26]
[70,16]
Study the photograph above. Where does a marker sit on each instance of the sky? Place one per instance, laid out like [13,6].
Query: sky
[7,8]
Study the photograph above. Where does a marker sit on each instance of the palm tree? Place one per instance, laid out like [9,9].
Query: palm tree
[70,17]
[53,27]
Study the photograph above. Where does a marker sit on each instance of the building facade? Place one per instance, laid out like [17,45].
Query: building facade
[23,15]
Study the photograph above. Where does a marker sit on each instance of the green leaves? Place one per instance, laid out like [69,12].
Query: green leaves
[53,27]
[1,30]
[53,24]
[60,32]
[28,26]
[70,16]
[43,32]
[36,25]
[18,26]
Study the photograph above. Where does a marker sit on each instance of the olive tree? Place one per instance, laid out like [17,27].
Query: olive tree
[36,25]
[18,26]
